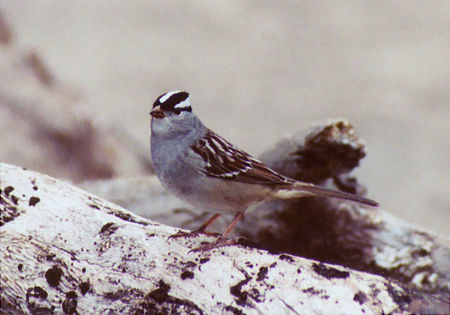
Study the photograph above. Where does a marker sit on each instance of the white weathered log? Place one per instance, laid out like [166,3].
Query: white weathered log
[63,249]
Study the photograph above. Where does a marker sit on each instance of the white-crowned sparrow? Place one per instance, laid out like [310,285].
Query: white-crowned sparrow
[202,168]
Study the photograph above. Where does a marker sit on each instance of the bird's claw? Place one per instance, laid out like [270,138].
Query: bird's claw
[221,242]
[191,234]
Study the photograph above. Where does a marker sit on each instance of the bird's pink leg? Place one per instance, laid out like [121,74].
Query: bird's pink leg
[235,220]
[223,240]
[200,230]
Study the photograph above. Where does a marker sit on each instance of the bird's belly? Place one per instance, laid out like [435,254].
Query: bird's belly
[216,195]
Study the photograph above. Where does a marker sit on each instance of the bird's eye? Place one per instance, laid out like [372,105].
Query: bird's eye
[177,111]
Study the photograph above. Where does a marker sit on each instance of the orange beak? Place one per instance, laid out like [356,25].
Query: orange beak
[157,112]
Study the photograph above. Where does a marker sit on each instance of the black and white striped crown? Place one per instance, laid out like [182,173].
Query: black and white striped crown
[174,101]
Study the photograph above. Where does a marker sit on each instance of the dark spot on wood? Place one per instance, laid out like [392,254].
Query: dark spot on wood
[33,182]
[255,295]
[94,206]
[36,302]
[83,270]
[273,265]
[313,291]
[421,253]
[50,257]
[262,273]
[204,260]
[299,271]
[15,200]
[33,201]
[402,299]
[286,258]
[233,310]
[8,189]
[53,276]
[329,272]
[109,228]
[69,305]
[236,291]
[8,213]
[160,302]
[20,267]
[360,297]
[190,264]
[84,287]
[37,292]
[160,294]
[187,275]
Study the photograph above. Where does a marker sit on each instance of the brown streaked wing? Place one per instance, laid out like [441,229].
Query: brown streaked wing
[223,160]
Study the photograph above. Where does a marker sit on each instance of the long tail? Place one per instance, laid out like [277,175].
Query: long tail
[300,189]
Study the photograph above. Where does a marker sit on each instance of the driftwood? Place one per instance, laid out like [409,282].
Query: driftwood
[328,230]
[65,250]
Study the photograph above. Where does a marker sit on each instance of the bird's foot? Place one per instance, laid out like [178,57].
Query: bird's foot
[221,242]
[194,233]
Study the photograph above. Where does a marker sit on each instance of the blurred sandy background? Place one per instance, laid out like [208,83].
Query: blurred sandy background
[257,71]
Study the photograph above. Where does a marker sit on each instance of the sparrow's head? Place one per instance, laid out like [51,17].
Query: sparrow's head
[172,103]
[172,113]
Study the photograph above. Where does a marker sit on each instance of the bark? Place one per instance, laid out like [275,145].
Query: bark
[65,250]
